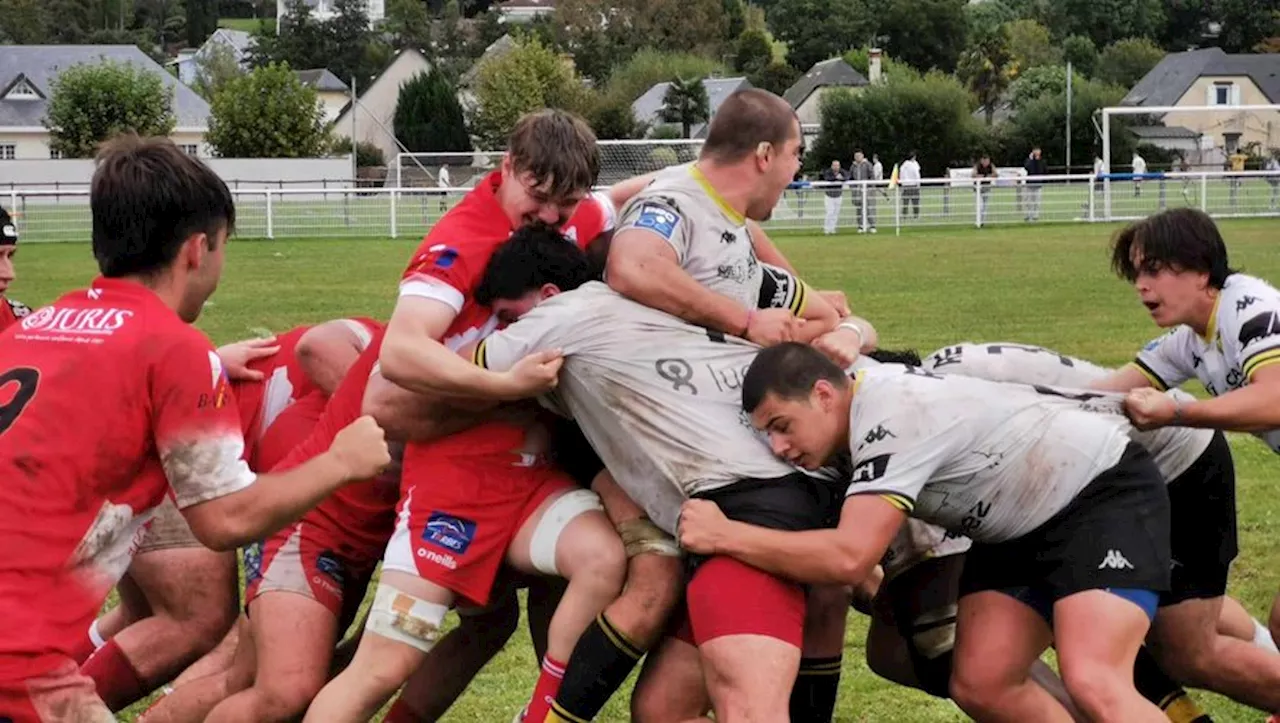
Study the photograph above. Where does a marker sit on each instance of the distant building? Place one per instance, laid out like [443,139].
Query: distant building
[648,107]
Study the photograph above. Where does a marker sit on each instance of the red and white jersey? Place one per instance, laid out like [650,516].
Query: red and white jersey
[11,312]
[450,264]
[284,381]
[108,401]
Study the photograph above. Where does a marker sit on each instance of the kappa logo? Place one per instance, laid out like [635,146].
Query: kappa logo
[1245,302]
[1115,560]
[877,434]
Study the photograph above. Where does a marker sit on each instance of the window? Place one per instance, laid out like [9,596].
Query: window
[22,90]
[191,149]
[1224,93]
[8,152]
[54,154]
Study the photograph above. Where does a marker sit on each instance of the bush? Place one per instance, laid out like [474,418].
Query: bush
[367,154]
[90,103]
[428,115]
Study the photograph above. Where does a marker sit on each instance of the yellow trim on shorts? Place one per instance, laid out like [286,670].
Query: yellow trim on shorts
[479,355]
[1258,361]
[734,216]
[902,502]
[1156,381]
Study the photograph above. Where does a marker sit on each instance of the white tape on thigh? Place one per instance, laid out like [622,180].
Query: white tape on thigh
[542,548]
[402,617]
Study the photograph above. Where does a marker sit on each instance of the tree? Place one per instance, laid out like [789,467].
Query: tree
[267,113]
[1040,123]
[90,103]
[987,68]
[409,23]
[1125,62]
[618,28]
[735,18]
[612,118]
[930,114]
[428,115]
[753,53]
[1246,23]
[1081,53]
[202,21]
[986,16]
[775,77]
[349,40]
[24,22]
[1030,44]
[529,77]
[1105,21]
[1041,81]
[686,103]
[925,34]
[890,69]
[815,30]
[649,67]
[214,68]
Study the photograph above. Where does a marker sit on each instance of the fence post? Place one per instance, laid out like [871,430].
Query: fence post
[1204,192]
[897,210]
[1093,192]
[271,232]
[394,191]
[977,204]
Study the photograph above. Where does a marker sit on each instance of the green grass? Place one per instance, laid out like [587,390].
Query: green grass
[248,25]
[1045,285]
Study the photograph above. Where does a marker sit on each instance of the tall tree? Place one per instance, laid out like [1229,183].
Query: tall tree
[1125,62]
[529,77]
[267,113]
[1040,81]
[409,23]
[1031,46]
[735,18]
[1106,21]
[214,69]
[753,52]
[925,34]
[24,22]
[649,67]
[815,30]
[1040,123]
[1246,23]
[987,68]
[429,117]
[202,21]
[983,17]
[90,103]
[686,103]
[349,38]
[1081,53]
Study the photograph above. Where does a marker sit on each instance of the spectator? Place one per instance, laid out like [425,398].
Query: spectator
[1139,170]
[909,176]
[443,181]
[833,196]
[1273,167]
[1237,160]
[864,197]
[984,177]
[1035,167]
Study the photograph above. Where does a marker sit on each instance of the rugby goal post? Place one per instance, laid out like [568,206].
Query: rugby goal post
[1157,111]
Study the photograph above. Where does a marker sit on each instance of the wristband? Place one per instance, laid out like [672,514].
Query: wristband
[1177,411]
[851,326]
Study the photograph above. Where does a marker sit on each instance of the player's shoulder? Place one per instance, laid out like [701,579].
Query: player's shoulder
[1248,309]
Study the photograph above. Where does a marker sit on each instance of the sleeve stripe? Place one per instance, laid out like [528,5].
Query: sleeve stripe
[429,287]
[801,301]
[479,357]
[1259,360]
[1151,376]
[897,499]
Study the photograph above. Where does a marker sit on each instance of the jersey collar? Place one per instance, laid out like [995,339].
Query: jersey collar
[1211,331]
[734,216]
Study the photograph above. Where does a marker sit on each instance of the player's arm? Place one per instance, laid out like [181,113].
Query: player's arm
[846,555]
[1124,379]
[410,417]
[326,351]
[1251,408]
[622,192]
[1164,363]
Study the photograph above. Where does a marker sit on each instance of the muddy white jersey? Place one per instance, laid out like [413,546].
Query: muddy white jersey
[1243,336]
[1175,449]
[988,460]
[711,240]
[660,400]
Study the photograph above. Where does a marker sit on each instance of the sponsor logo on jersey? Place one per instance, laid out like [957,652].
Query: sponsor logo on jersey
[870,470]
[446,561]
[448,532]
[441,255]
[96,322]
[1245,302]
[877,434]
[253,562]
[18,308]
[1259,327]
[657,219]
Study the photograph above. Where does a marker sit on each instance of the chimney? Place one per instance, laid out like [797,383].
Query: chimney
[873,69]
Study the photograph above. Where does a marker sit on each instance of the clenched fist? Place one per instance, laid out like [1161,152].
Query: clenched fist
[361,449]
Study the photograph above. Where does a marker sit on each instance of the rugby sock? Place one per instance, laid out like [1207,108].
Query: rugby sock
[114,677]
[1160,689]
[88,644]
[1262,637]
[813,698]
[545,691]
[600,664]
[401,713]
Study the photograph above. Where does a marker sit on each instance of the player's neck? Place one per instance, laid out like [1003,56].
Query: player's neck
[163,285]
[732,184]
[1203,310]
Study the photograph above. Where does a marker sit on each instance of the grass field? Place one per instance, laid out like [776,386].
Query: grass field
[247,25]
[1046,285]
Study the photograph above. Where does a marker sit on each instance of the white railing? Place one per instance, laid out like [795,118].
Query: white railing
[63,214]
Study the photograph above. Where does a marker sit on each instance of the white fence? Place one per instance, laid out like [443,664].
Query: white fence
[63,215]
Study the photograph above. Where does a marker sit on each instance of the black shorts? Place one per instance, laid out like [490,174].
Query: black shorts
[571,451]
[1114,535]
[1202,501]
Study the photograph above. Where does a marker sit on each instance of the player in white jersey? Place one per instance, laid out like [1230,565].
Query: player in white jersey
[1224,331]
[1070,519]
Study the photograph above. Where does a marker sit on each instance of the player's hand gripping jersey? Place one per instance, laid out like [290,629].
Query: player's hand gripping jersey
[109,401]
[1243,336]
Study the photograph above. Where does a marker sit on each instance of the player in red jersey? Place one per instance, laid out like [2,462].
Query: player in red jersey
[473,500]
[10,311]
[163,623]
[147,401]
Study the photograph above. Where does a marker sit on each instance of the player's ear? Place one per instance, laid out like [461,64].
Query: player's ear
[194,249]
[547,291]
[823,395]
[764,154]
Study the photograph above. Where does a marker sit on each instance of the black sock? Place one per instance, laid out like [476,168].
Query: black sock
[599,665]
[1165,692]
[813,699]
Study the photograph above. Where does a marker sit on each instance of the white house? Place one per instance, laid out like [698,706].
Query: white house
[332,93]
[188,61]
[522,11]
[323,10]
[26,76]
[805,95]
[374,112]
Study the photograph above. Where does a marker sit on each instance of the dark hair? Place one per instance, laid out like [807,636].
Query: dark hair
[1181,239]
[147,198]
[746,119]
[788,370]
[535,254]
[558,147]
[909,357]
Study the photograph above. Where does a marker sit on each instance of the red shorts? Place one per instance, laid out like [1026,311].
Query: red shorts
[462,515]
[62,695]
[728,597]
[290,429]
[306,559]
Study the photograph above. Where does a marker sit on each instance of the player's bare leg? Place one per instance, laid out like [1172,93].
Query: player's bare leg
[749,677]
[132,607]
[187,622]
[1236,622]
[193,700]
[671,685]
[1186,642]
[216,660]
[571,537]
[997,641]
[1098,634]
[293,638]
[404,625]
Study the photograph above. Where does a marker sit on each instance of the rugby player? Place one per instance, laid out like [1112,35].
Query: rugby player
[10,311]
[477,498]
[1224,330]
[152,413]
[1070,519]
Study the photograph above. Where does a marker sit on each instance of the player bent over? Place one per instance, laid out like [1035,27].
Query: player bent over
[1070,519]
[160,223]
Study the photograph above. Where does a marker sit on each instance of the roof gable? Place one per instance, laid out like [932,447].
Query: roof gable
[831,72]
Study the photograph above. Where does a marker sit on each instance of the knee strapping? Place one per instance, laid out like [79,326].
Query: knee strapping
[542,547]
[642,537]
[933,633]
[402,617]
